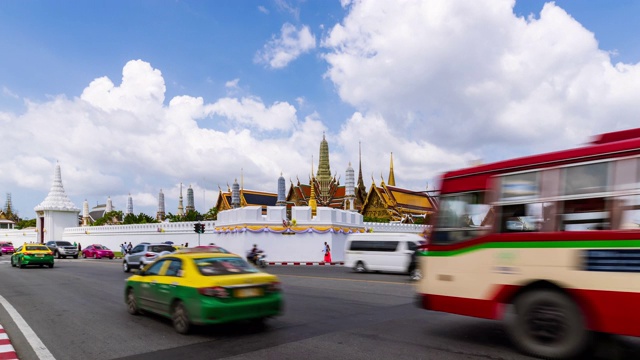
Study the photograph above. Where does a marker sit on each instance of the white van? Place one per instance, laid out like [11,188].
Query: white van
[380,251]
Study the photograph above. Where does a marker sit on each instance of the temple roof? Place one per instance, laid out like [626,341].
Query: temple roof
[57,198]
[398,202]
[247,198]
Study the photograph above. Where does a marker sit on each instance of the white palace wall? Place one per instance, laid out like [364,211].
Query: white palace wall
[237,230]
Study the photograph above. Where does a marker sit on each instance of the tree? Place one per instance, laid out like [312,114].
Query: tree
[110,218]
[191,215]
[212,214]
[141,218]
[26,223]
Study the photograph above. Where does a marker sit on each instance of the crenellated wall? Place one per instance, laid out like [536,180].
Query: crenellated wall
[299,240]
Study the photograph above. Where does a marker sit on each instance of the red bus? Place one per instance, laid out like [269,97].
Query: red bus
[550,244]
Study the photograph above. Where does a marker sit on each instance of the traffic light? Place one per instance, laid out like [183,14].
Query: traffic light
[201,228]
[196,228]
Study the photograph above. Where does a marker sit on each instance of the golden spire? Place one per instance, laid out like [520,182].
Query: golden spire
[324,172]
[312,199]
[392,178]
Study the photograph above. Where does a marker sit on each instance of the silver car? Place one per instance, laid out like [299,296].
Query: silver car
[145,253]
[62,249]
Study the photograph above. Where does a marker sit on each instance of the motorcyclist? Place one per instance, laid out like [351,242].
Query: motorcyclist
[252,257]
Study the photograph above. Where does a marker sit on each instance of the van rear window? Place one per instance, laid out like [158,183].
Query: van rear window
[363,245]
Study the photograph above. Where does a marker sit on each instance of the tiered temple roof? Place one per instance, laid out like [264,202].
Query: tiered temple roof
[397,204]
[247,198]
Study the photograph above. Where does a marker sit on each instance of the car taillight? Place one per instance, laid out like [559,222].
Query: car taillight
[274,287]
[149,255]
[50,253]
[216,291]
[28,253]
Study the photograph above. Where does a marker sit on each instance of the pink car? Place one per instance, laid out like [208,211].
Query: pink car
[6,248]
[97,251]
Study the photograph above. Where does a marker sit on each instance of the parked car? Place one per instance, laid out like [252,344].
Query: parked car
[62,249]
[145,253]
[6,248]
[32,254]
[203,287]
[97,251]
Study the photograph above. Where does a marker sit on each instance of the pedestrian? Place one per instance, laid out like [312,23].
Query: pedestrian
[186,244]
[123,249]
[327,252]
[129,247]
[79,248]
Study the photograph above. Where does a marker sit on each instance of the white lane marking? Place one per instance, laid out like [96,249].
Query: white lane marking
[36,344]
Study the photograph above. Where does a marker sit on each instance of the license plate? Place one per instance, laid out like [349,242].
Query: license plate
[249,292]
[39,255]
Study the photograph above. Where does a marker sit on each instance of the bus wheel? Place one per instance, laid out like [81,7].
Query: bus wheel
[547,324]
[360,267]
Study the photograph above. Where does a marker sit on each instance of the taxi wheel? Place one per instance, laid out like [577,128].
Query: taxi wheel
[12,263]
[20,264]
[180,318]
[41,265]
[132,304]
[125,266]
[51,266]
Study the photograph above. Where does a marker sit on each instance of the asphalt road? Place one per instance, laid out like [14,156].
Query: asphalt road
[77,309]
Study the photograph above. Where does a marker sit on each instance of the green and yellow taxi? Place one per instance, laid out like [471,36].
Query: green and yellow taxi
[202,287]
[32,254]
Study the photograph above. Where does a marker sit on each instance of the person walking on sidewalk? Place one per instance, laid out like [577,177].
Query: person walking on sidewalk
[327,252]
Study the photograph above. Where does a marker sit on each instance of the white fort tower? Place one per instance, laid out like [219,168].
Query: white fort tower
[56,212]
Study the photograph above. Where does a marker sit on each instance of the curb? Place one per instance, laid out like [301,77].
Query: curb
[7,352]
[321,263]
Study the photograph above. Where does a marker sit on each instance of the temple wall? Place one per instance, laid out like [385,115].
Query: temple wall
[238,229]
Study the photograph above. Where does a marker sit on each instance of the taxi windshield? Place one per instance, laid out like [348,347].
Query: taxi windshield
[6,245]
[223,266]
[41,248]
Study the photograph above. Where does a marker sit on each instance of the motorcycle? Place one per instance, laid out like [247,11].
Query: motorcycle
[257,259]
[260,260]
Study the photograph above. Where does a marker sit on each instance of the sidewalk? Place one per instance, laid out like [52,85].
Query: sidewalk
[7,352]
[339,263]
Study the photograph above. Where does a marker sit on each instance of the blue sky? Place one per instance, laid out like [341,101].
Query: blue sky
[138,96]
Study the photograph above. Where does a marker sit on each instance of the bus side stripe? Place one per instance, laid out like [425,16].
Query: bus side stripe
[536,245]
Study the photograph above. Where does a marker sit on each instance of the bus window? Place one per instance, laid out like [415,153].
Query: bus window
[522,217]
[586,179]
[462,217]
[626,213]
[585,214]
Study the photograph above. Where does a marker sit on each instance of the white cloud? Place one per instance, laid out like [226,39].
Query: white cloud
[251,112]
[263,9]
[284,5]
[232,84]
[7,92]
[471,76]
[117,139]
[439,83]
[292,43]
